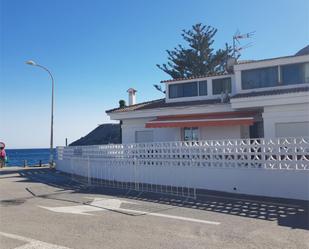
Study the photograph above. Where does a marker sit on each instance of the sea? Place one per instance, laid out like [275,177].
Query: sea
[18,157]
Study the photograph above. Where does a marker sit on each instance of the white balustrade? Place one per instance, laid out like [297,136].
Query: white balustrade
[278,153]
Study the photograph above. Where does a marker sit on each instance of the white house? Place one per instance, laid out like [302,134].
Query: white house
[265,98]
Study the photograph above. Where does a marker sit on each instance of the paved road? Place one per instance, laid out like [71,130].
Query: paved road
[42,208]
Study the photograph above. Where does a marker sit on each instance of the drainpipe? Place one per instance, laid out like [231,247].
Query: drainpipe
[120,123]
[122,104]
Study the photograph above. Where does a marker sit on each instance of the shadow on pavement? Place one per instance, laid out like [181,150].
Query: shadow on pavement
[286,212]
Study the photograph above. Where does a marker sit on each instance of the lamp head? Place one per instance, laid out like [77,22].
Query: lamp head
[30,62]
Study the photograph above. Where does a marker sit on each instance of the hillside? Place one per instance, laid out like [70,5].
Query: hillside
[103,134]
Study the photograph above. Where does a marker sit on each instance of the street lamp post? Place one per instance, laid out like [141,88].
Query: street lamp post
[51,156]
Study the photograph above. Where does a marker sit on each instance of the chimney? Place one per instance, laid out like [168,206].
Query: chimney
[132,96]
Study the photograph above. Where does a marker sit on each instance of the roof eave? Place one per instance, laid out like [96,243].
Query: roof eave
[197,78]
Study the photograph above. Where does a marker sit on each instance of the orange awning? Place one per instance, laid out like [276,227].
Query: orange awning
[198,120]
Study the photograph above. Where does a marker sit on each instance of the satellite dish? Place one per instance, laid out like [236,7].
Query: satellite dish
[231,61]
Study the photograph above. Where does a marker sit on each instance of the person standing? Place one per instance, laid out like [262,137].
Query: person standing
[2,155]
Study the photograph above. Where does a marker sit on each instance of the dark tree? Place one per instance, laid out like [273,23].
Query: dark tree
[199,58]
[122,103]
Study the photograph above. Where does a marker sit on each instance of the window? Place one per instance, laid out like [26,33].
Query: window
[221,86]
[190,134]
[259,78]
[190,89]
[183,90]
[295,74]
[175,91]
[202,88]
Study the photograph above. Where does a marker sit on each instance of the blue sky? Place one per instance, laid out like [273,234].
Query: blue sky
[97,49]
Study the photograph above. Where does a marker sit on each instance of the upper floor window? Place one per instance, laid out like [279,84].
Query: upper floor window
[222,85]
[259,78]
[182,90]
[295,74]
[202,88]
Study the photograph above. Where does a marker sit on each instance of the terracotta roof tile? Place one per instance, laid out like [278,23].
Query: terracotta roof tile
[195,77]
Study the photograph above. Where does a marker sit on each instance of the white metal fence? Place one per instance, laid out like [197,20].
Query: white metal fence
[133,166]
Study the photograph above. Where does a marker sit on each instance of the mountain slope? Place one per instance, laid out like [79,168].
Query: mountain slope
[103,134]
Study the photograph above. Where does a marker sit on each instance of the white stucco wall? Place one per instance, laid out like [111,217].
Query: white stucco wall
[130,126]
[224,132]
[264,182]
[295,116]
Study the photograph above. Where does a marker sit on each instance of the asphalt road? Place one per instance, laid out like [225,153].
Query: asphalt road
[42,208]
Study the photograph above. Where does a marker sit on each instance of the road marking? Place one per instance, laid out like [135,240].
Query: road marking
[99,204]
[32,243]
[171,216]
[80,209]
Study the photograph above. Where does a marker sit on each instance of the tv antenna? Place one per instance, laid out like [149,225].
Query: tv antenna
[237,47]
